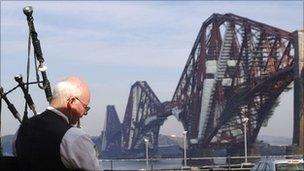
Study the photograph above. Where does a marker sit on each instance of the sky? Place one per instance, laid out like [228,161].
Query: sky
[114,44]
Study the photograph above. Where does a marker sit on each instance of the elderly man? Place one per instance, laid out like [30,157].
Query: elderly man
[50,141]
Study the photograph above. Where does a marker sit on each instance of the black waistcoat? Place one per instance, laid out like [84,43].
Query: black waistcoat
[38,142]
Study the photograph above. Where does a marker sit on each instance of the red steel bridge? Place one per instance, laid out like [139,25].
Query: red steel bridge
[237,69]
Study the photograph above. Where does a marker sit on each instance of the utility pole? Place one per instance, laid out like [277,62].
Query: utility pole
[185,148]
[147,153]
[245,120]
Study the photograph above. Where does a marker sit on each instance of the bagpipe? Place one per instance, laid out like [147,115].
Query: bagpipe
[43,84]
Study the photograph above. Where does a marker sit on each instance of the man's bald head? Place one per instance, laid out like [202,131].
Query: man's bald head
[70,86]
[71,96]
[79,83]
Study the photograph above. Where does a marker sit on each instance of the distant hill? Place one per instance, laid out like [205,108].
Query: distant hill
[97,141]
[6,142]
[162,141]
[169,140]
[274,140]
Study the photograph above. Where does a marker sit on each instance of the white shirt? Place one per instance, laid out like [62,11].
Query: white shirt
[76,148]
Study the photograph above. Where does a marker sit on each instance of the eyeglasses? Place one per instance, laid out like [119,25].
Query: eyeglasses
[86,107]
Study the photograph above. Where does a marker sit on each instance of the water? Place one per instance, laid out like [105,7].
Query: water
[141,164]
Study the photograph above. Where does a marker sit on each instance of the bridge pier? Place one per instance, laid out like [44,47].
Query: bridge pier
[298,129]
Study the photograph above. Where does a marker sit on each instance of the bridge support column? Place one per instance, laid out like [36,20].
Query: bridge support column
[298,129]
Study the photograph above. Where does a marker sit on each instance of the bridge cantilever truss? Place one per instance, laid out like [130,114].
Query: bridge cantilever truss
[111,134]
[143,117]
[236,69]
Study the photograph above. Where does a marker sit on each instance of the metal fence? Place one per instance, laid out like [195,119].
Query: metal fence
[199,163]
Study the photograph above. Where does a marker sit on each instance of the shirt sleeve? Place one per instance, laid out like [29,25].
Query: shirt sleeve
[77,151]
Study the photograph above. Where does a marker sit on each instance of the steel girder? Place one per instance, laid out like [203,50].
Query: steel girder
[143,117]
[111,134]
[237,68]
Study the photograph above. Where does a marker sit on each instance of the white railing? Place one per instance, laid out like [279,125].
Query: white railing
[177,163]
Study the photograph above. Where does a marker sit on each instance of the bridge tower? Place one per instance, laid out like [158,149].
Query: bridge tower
[298,129]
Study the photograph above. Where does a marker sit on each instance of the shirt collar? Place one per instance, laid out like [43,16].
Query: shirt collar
[58,113]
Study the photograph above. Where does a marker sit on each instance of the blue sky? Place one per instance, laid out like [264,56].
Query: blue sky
[113,44]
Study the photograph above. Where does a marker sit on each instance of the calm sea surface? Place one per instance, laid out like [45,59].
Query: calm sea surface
[136,165]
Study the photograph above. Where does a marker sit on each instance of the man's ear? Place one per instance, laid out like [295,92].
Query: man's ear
[70,101]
